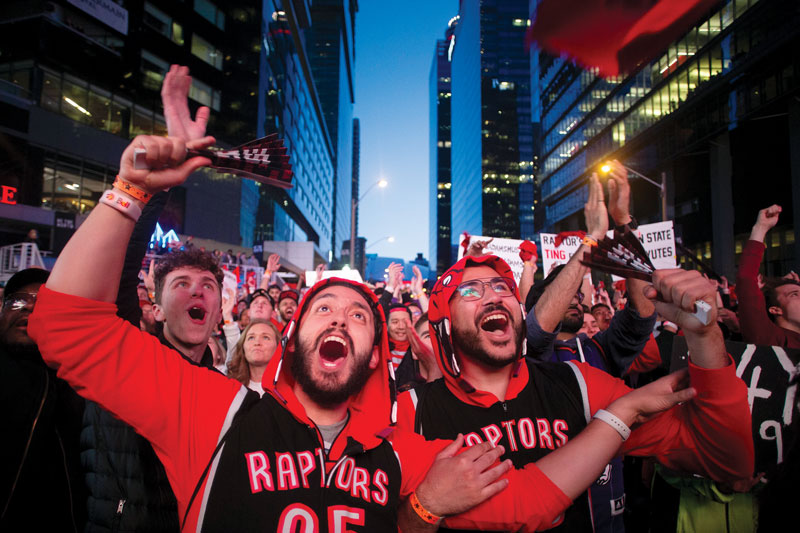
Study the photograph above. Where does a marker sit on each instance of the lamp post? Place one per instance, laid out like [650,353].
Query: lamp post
[662,187]
[382,183]
[389,239]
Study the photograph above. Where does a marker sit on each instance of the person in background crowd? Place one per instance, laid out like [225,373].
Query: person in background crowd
[771,316]
[250,260]
[589,324]
[287,305]
[420,366]
[415,310]
[399,345]
[257,345]
[602,314]
[244,319]
[555,321]
[274,291]
[148,321]
[41,486]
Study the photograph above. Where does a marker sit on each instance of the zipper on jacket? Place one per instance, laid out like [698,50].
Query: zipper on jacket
[69,482]
[118,515]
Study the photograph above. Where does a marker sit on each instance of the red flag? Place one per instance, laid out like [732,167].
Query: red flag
[527,251]
[564,234]
[612,35]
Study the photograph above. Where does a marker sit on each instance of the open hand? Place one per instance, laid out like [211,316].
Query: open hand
[641,404]
[273,263]
[174,97]
[457,482]
[619,194]
[595,210]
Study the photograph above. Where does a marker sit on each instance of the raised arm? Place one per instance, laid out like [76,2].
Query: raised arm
[556,298]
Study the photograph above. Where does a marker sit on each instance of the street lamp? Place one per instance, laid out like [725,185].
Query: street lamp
[662,187]
[388,239]
[382,183]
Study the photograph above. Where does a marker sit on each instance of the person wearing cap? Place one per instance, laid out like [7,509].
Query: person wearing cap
[41,430]
[314,452]
[491,393]
[287,305]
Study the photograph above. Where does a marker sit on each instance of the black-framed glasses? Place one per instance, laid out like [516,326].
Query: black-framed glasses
[18,300]
[474,289]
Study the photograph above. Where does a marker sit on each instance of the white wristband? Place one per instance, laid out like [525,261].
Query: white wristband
[122,203]
[613,421]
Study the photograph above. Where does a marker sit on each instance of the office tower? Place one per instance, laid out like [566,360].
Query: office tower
[716,114]
[440,145]
[492,190]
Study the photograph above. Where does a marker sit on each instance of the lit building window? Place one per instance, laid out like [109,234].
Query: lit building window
[206,51]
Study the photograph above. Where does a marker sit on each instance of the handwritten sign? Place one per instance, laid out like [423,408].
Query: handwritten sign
[658,240]
[505,249]
[352,274]
[553,255]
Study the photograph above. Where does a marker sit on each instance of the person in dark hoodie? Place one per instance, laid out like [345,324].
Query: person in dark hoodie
[41,486]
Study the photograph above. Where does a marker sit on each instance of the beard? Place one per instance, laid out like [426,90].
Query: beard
[468,342]
[328,390]
[570,323]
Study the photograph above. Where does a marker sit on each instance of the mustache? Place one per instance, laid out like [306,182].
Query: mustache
[493,308]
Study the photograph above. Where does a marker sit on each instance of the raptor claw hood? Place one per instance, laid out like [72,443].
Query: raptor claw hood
[439,320]
[372,410]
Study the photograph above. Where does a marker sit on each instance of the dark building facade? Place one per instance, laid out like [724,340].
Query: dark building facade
[492,190]
[79,79]
[440,147]
[717,114]
[356,176]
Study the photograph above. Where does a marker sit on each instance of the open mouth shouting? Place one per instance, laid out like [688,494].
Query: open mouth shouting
[333,352]
[496,323]
[197,314]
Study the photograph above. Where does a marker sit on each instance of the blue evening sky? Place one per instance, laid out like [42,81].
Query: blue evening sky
[395,43]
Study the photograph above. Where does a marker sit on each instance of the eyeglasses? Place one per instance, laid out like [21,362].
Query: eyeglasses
[19,300]
[474,289]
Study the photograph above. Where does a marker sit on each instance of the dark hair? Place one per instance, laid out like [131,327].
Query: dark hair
[538,289]
[186,259]
[423,319]
[238,368]
[398,307]
[597,306]
[771,293]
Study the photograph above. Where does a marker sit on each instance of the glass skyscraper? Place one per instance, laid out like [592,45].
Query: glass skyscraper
[492,153]
[712,114]
[440,145]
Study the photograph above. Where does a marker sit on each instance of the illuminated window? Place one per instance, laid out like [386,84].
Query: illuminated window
[206,51]
[205,94]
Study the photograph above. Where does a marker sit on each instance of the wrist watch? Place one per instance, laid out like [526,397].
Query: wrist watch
[632,224]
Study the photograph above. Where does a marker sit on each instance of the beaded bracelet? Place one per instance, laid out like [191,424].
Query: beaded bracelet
[423,513]
[122,203]
[133,190]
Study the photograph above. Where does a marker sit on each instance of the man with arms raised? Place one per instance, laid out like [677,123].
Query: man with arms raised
[490,393]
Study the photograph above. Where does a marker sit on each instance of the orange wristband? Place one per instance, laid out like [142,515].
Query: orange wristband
[133,190]
[423,513]
[588,240]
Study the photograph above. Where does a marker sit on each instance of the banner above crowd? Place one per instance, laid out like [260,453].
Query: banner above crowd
[506,249]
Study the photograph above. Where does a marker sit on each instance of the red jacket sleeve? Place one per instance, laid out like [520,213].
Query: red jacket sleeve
[648,360]
[530,502]
[754,321]
[180,408]
[711,435]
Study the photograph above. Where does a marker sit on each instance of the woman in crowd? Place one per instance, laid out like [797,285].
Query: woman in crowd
[256,346]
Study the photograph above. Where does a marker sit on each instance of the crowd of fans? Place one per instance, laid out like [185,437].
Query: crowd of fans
[115,425]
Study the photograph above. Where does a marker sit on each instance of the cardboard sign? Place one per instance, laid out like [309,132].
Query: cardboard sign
[771,375]
[352,275]
[658,240]
[505,249]
[553,255]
